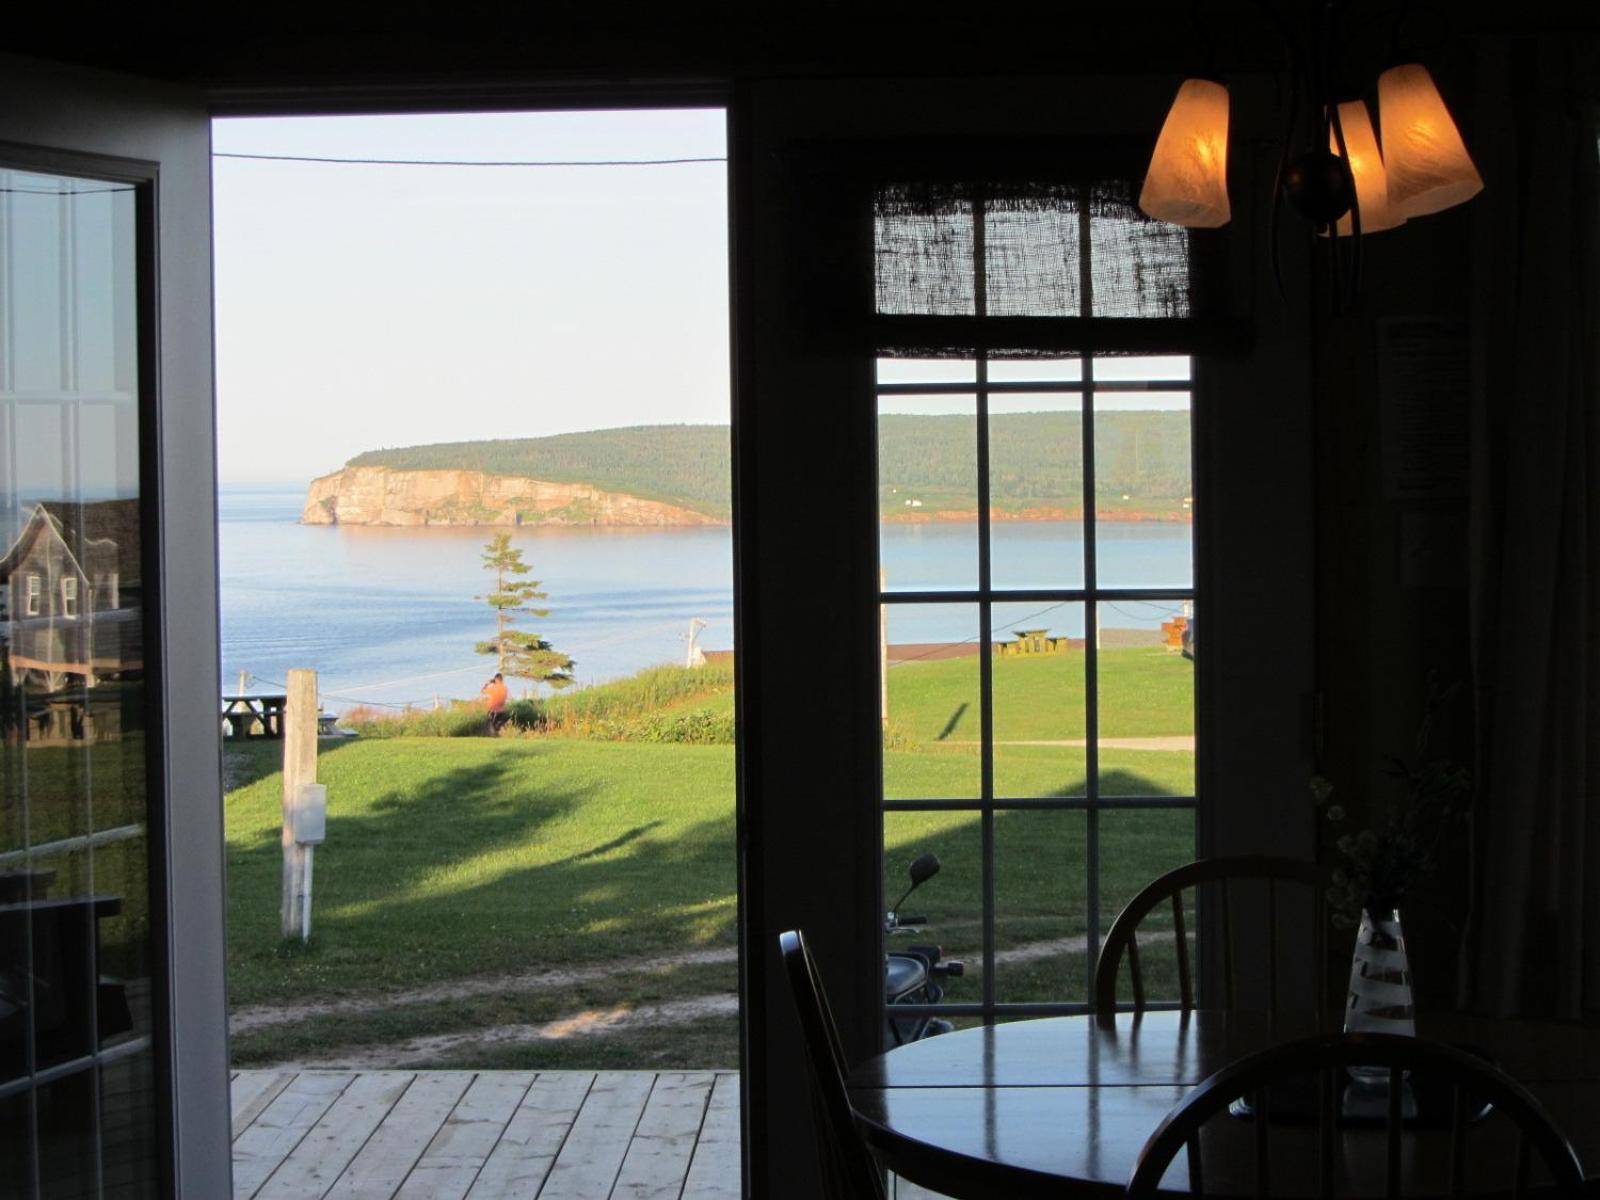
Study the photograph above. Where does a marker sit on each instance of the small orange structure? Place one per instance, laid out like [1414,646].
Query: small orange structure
[1173,630]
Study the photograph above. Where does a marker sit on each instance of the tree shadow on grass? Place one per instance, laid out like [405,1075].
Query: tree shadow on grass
[1040,870]
[250,760]
[426,882]
[950,725]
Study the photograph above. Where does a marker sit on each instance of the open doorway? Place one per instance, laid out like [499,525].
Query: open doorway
[474,473]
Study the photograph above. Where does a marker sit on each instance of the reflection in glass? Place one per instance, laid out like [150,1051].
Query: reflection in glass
[931,722]
[75,956]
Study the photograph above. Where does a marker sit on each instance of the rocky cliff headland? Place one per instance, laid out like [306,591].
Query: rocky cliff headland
[386,496]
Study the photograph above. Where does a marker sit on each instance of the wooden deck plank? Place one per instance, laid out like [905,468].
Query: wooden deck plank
[657,1162]
[450,1164]
[714,1171]
[586,1168]
[462,1135]
[518,1165]
[278,1130]
[251,1092]
[380,1168]
[326,1150]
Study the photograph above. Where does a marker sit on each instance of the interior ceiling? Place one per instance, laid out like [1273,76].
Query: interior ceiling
[349,50]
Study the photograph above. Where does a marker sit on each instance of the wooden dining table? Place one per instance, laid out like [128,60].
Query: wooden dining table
[1061,1106]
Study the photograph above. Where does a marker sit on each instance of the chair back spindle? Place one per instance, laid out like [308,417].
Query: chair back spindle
[1219,875]
[1469,1081]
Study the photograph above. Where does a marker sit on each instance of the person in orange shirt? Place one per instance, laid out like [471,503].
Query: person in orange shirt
[495,695]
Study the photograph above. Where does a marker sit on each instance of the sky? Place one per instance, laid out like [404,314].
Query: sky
[359,306]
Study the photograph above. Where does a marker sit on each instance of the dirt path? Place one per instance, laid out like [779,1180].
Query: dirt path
[585,1023]
[264,1016]
[421,1051]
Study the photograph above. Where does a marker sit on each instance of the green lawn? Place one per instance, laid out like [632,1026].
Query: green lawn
[453,857]
[1145,691]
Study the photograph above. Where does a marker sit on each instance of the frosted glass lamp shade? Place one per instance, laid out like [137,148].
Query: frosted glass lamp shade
[1187,183]
[1429,169]
[1366,164]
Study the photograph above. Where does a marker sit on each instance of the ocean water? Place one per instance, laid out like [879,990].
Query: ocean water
[390,616]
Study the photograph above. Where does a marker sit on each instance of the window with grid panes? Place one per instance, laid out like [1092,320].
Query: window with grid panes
[1036,574]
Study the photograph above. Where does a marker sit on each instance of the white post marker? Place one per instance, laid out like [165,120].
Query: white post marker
[299,767]
[310,831]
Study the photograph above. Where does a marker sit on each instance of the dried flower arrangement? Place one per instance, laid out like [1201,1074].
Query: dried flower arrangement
[1385,862]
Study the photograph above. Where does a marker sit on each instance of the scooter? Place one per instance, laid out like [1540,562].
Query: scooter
[915,974]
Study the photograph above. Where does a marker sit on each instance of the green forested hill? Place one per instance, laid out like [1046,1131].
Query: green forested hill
[1036,461]
[1142,460]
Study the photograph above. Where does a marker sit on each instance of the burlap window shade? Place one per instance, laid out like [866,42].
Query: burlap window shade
[1079,255]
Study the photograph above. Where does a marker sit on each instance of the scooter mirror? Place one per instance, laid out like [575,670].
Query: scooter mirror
[923,868]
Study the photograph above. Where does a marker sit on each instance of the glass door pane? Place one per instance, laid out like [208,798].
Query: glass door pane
[76,1059]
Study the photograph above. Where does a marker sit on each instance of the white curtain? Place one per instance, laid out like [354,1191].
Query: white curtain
[1532,942]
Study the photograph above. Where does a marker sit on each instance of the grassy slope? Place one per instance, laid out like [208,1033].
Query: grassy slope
[1036,461]
[460,856]
[1145,691]
[450,857]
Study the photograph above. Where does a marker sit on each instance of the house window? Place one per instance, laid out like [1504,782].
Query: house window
[35,592]
[69,596]
[1038,699]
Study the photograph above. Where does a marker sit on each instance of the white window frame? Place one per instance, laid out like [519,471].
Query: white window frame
[35,592]
[69,597]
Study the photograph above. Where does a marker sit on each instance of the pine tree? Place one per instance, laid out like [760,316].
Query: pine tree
[518,653]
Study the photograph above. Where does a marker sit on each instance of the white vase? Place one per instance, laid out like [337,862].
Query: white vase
[1380,999]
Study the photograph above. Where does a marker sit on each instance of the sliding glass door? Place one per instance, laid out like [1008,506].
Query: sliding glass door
[77,1075]
[112,1065]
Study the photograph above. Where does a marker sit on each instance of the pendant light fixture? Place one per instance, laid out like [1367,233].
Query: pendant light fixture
[1187,183]
[1332,168]
[1429,168]
[1374,201]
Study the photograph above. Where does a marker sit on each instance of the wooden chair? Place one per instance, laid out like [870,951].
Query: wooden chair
[1122,939]
[1469,1081]
[848,1171]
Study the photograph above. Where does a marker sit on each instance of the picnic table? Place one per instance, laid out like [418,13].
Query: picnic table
[253,716]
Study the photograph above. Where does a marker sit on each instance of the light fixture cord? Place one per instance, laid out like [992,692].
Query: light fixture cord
[1340,293]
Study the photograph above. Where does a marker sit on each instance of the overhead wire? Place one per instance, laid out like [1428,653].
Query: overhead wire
[473,162]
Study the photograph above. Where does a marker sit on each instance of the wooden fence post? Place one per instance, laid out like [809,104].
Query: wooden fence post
[299,766]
